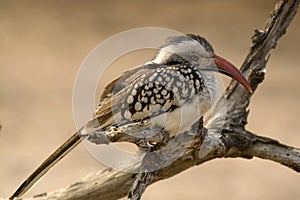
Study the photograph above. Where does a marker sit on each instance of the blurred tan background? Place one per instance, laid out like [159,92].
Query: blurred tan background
[43,43]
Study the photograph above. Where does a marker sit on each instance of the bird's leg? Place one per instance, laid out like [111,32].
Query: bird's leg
[145,146]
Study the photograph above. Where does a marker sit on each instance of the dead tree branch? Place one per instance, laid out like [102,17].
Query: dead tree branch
[233,140]
[113,184]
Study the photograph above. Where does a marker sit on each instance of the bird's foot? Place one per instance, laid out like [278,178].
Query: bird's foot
[157,141]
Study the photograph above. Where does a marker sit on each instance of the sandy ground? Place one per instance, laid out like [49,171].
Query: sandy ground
[43,43]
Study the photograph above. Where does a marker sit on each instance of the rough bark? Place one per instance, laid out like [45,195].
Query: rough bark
[232,140]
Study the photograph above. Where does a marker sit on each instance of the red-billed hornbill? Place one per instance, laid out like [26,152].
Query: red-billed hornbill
[174,91]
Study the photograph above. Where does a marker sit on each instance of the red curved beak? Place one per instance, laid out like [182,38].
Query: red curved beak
[229,69]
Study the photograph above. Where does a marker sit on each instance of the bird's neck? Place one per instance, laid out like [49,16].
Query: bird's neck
[211,84]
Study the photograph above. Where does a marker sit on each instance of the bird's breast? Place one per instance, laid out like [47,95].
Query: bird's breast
[182,118]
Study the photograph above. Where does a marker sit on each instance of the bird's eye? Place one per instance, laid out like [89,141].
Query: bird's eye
[195,58]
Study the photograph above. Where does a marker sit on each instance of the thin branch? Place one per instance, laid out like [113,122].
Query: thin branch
[249,145]
[254,66]
[283,154]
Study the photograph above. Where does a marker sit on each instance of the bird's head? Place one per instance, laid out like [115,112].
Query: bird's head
[196,50]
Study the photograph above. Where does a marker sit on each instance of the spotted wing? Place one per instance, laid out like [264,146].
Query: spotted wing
[147,92]
[127,78]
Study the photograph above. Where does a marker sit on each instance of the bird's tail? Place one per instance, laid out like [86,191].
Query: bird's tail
[63,150]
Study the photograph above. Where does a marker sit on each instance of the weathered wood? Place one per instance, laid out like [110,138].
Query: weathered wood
[233,140]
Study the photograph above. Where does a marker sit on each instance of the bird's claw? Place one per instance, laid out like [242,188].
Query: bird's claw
[155,142]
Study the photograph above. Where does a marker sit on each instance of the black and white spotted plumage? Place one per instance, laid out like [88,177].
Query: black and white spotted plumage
[161,90]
